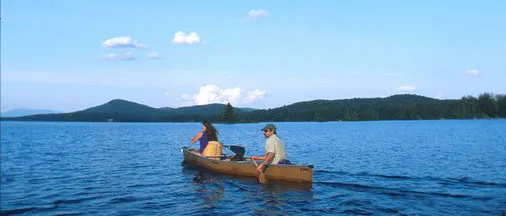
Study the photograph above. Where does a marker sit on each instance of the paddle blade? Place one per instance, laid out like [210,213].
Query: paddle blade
[237,149]
[262,179]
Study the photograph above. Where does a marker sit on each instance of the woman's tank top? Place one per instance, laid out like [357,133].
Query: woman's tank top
[203,141]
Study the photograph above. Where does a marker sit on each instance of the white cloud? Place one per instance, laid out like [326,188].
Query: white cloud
[182,38]
[472,72]
[154,55]
[127,56]
[213,94]
[406,88]
[253,96]
[122,42]
[253,14]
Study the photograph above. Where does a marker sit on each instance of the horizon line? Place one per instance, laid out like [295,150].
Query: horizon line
[49,109]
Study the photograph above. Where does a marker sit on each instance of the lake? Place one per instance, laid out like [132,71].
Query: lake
[443,167]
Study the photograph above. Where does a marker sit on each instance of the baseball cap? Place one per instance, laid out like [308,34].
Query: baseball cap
[269,127]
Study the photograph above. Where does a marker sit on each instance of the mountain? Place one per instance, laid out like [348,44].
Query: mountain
[26,112]
[395,107]
[166,108]
[114,110]
[127,111]
[124,107]
[111,109]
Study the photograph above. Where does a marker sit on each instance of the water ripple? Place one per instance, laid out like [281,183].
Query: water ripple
[361,168]
[396,192]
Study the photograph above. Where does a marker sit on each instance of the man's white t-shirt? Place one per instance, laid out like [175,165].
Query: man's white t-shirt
[276,146]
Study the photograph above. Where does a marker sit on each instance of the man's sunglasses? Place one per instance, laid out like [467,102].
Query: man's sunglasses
[265,131]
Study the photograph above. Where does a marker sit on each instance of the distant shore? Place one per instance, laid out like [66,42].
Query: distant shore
[396,107]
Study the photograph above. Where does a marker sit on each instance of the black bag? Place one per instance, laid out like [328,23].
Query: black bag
[237,157]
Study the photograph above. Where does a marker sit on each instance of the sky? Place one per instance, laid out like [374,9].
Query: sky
[71,55]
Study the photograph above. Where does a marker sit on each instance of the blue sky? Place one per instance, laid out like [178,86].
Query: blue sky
[71,55]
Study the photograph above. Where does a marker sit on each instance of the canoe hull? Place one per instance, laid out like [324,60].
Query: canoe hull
[282,172]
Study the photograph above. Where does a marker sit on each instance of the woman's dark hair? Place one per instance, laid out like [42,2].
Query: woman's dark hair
[211,132]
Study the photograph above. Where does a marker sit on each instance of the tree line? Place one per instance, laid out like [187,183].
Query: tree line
[397,107]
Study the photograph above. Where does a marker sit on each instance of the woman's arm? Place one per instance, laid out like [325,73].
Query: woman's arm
[196,137]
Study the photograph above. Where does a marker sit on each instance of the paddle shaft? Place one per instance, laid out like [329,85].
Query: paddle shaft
[254,162]
[261,178]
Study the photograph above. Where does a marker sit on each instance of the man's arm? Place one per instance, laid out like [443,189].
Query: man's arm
[267,159]
[258,157]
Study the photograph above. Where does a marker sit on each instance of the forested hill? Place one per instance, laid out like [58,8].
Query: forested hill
[126,111]
[396,107]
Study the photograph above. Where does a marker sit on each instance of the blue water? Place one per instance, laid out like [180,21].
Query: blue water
[448,167]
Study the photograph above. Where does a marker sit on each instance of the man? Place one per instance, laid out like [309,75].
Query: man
[274,149]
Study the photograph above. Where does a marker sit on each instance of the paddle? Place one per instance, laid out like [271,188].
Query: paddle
[261,178]
[236,149]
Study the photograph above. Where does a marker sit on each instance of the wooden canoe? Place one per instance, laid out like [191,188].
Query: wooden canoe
[282,172]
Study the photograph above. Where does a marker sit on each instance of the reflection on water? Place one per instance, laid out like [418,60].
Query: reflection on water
[281,198]
[217,190]
[208,188]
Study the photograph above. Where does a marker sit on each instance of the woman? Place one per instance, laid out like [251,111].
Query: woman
[208,137]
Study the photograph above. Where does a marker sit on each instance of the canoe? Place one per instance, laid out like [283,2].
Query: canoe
[281,172]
